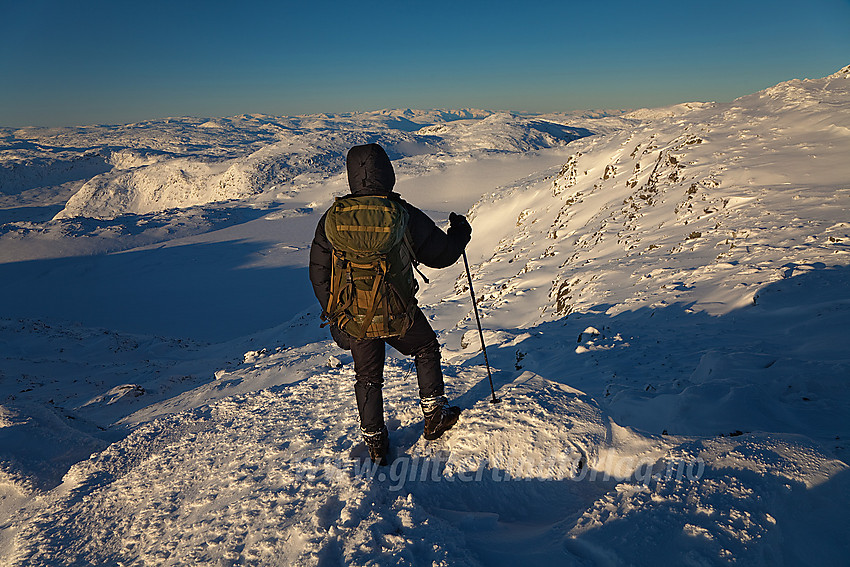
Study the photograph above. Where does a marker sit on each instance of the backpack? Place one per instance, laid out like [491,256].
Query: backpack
[373,289]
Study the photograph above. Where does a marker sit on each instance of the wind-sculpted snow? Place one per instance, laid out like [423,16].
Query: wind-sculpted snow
[263,479]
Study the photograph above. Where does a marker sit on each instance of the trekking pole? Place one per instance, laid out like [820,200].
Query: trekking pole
[494,399]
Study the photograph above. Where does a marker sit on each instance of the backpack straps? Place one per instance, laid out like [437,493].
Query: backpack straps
[413,260]
[373,297]
[339,280]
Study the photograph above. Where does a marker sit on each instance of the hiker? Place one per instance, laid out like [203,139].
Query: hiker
[363,324]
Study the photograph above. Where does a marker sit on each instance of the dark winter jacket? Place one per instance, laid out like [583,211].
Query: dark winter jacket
[371,173]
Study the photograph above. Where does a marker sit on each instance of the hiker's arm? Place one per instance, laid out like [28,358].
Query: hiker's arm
[320,265]
[433,247]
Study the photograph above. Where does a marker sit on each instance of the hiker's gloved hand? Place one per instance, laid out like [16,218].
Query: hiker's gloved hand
[341,338]
[460,229]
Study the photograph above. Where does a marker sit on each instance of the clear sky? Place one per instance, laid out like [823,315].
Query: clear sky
[66,62]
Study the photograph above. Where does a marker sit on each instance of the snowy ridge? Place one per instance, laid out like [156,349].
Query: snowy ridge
[664,303]
[189,165]
[159,175]
[298,157]
[710,205]
[726,212]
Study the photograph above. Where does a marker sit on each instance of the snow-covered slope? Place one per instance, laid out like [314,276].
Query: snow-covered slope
[717,200]
[665,307]
[710,213]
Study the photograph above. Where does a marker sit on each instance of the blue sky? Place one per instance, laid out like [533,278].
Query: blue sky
[86,62]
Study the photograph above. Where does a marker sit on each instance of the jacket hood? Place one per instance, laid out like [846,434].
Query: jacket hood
[369,170]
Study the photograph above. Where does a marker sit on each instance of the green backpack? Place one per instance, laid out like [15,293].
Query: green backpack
[372,284]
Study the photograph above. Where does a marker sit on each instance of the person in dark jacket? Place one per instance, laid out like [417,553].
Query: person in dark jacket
[371,173]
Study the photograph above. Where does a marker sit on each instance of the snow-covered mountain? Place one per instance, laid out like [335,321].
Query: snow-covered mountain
[717,199]
[664,296]
[711,209]
[150,167]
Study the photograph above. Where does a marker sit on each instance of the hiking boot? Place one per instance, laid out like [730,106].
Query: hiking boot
[378,443]
[439,416]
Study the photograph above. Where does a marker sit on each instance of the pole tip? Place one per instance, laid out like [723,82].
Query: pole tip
[495,400]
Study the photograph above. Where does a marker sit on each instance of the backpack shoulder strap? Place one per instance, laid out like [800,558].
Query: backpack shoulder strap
[414,262]
[339,279]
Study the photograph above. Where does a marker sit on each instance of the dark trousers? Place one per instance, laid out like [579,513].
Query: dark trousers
[419,341]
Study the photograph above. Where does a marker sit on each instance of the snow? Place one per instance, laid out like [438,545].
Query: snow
[664,295]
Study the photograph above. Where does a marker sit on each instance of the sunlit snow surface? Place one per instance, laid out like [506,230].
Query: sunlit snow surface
[665,296]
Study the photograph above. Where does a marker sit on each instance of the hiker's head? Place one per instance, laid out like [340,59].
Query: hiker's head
[369,170]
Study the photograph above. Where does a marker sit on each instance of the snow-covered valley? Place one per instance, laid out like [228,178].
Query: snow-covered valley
[664,294]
